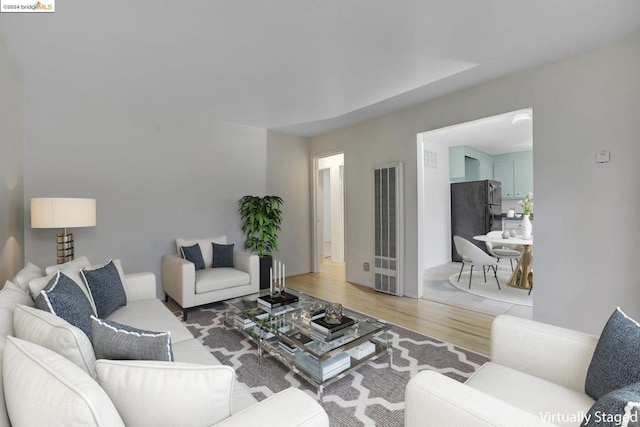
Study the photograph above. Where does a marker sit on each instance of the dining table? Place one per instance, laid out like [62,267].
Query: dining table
[522,275]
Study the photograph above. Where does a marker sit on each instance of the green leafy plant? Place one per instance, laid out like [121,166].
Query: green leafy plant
[261,221]
[527,204]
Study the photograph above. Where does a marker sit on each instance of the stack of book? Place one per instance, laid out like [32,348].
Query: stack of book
[276,300]
[322,371]
[288,348]
[362,351]
[262,332]
[332,328]
[243,322]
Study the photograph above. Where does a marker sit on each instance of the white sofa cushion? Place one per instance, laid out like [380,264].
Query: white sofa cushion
[75,264]
[10,296]
[151,315]
[56,334]
[205,246]
[191,351]
[167,394]
[215,279]
[29,272]
[43,388]
[531,394]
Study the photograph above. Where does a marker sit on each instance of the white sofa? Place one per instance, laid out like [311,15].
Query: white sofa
[191,288]
[43,388]
[536,377]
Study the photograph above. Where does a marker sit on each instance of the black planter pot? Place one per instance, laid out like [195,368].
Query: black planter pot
[265,265]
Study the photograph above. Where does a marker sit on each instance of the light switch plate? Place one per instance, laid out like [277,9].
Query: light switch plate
[602,156]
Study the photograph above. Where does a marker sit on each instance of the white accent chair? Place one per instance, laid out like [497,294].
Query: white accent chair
[471,254]
[537,372]
[191,288]
[503,250]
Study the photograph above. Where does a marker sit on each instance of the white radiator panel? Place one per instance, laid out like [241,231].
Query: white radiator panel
[389,228]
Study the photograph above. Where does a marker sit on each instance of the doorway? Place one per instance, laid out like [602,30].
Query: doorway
[328,211]
[473,151]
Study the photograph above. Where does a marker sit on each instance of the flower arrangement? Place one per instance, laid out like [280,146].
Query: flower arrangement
[527,204]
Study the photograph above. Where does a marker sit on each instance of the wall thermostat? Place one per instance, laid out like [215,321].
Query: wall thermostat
[602,156]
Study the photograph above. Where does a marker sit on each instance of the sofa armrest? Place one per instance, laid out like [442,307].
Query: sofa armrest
[561,356]
[288,408]
[139,286]
[179,280]
[432,399]
[249,263]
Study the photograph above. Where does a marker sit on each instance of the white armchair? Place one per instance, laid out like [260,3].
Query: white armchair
[191,288]
[536,377]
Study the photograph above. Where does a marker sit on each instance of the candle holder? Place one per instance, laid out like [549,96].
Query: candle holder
[277,284]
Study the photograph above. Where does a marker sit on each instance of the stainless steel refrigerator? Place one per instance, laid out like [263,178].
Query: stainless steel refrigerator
[476,208]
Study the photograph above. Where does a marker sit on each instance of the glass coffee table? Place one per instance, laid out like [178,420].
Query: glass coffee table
[287,334]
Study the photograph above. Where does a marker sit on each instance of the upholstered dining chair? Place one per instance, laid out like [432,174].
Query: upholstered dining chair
[500,250]
[471,254]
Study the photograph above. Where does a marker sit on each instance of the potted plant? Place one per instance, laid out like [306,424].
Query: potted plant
[527,208]
[261,221]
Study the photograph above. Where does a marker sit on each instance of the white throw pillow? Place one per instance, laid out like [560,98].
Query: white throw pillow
[10,296]
[43,388]
[77,264]
[56,334]
[167,394]
[29,272]
[205,246]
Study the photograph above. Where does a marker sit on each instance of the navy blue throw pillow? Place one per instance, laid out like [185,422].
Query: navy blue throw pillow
[106,288]
[613,407]
[616,359]
[222,255]
[194,255]
[64,298]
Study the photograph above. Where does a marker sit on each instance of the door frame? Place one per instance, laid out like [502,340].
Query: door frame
[315,238]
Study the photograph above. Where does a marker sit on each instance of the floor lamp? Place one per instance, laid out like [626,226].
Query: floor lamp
[57,212]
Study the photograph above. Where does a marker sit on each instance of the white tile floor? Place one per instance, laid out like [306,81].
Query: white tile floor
[437,287]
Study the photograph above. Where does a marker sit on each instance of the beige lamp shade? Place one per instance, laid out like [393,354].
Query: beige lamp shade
[57,212]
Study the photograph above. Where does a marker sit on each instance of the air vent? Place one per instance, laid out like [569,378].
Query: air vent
[388,216]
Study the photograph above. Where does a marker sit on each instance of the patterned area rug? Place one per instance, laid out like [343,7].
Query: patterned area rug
[372,395]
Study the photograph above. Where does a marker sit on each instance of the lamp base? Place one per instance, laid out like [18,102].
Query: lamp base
[64,247]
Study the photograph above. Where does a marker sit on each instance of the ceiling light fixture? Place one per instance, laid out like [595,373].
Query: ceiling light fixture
[521,117]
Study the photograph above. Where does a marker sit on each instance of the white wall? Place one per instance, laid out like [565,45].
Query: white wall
[288,170]
[155,176]
[335,225]
[584,257]
[11,152]
[326,205]
[437,207]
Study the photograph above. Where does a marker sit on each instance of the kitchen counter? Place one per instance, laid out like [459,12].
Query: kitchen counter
[504,217]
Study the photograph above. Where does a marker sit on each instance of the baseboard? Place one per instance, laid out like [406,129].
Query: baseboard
[438,263]
[368,285]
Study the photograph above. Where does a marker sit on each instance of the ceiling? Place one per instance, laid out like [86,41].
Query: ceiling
[492,135]
[299,66]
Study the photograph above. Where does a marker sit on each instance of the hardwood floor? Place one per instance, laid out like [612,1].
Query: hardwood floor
[464,327]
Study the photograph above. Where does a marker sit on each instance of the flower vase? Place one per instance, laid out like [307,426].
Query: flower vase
[527,227]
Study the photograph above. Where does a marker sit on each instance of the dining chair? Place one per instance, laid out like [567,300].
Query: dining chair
[503,250]
[471,254]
